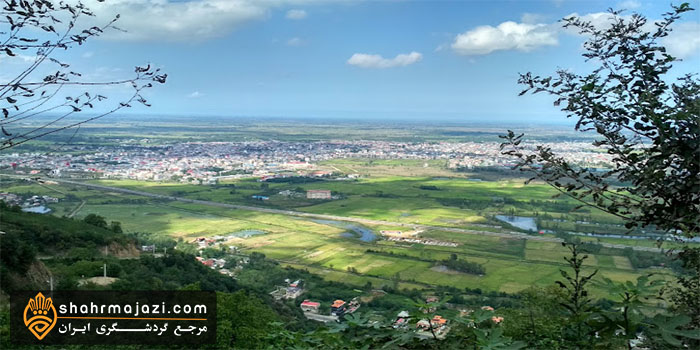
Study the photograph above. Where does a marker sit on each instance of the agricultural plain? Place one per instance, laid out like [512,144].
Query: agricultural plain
[335,251]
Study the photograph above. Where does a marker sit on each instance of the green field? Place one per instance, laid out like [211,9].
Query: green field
[511,264]
[458,202]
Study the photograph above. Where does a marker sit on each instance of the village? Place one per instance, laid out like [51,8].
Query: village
[29,203]
[427,324]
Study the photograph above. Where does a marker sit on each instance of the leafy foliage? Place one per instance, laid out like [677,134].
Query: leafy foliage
[649,126]
[577,303]
[464,266]
[40,28]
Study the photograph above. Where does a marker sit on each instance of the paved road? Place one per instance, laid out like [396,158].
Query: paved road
[321,318]
[337,218]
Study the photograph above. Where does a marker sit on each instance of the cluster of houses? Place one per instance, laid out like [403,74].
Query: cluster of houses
[219,264]
[212,263]
[422,241]
[34,204]
[291,194]
[339,307]
[318,194]
[291,290]
[203,242]
[310,194]
[439,325]
[286,174]
[209,162]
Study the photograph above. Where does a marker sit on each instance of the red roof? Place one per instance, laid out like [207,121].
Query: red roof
[310,303]
[439,320]
[338,303]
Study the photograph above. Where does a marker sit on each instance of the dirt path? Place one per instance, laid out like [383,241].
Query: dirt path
[76,210]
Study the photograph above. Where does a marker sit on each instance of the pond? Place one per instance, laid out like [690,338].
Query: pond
[521,222]
[357,231]
[38,209]
[529,223]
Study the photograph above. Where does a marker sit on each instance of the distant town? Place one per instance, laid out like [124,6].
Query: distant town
[209,162]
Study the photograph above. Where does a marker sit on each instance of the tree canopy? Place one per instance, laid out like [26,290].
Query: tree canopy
[49,93]
[648,123]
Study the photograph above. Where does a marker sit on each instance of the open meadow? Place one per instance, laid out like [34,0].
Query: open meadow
[337,251]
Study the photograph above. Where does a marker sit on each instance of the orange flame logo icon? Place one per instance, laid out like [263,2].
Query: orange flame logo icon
[40,316]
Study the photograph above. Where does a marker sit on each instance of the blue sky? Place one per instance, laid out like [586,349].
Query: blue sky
[453,60]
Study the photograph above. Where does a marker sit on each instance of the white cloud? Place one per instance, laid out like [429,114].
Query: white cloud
[176,20]
[195,94]
[88,54]
[296,14]
[628,5]
[600,20]
[681,42]
[506,36]
[18,59]
[295,42]
[684,40]
[532,18]
[377,61]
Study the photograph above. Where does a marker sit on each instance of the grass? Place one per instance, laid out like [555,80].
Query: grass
[457,202]
[511,264]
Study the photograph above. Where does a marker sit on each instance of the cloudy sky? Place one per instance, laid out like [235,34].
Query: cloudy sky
[455,60]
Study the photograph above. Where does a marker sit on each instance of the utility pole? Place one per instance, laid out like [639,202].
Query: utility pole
[105,270]
[50,283]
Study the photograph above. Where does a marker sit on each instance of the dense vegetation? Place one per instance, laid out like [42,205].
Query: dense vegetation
[250,318]
[462,265]
[647,121]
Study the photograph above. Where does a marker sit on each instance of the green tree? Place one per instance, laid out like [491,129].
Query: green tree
[538,322]
[95,220]
[686,297]
[648,123]
[243,321]
[649,126]
[116,227]
[42,28]
[577,302]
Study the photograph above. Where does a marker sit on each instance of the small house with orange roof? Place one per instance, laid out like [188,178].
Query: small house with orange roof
[310,306]
[338,308]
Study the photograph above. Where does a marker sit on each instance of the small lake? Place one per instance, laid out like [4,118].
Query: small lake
[529,223]
[39,210]
[354,231]
[521,222]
